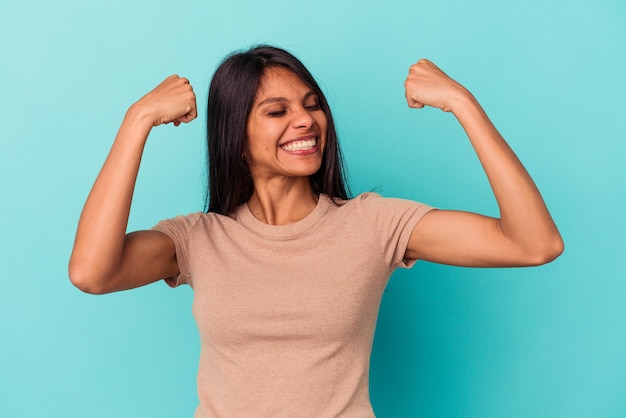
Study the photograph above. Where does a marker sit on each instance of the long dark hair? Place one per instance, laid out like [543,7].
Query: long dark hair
[231,96]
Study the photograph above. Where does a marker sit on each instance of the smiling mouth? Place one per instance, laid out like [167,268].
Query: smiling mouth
[300,145]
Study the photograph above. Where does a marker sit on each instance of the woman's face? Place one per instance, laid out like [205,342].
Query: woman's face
[286,127]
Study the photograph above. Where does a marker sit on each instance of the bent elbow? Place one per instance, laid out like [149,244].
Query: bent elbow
[559,247]
[84,281]
[548,251]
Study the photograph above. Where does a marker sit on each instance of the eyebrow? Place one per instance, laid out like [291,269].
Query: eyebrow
[283,99]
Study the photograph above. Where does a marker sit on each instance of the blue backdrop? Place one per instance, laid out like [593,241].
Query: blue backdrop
[451,342]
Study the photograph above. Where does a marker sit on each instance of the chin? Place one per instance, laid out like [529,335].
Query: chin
[307,171]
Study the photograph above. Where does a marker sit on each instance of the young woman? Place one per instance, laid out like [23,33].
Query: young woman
[287,270]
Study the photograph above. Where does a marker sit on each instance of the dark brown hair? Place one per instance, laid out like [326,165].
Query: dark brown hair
[231,96]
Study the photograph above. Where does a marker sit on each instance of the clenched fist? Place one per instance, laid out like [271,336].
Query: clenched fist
[427,85]
[171,101]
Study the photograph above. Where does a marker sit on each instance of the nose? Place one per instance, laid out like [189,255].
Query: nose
[302,118]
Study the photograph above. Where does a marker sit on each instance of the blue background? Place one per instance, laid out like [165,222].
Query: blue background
[451,342]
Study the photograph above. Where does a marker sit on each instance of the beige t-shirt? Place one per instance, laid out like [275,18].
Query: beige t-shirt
[286,314]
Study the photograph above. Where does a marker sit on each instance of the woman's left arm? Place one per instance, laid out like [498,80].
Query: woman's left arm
[525,233]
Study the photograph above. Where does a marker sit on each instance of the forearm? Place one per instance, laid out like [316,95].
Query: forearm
[102,226]
[524,217]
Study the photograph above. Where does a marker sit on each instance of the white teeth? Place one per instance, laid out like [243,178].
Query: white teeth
[300,145]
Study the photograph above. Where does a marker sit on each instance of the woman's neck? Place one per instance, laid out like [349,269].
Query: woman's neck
[282,201]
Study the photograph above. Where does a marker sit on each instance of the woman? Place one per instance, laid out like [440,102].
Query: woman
[287,271]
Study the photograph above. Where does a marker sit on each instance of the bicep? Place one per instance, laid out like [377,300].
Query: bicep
[147,257]
[463,239]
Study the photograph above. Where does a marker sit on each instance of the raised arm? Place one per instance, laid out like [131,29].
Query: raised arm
[524,234]
[104,258]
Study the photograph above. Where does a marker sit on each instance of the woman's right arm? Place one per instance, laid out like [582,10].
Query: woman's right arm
[106,259]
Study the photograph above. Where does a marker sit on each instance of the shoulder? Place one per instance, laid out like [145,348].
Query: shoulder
[374,202]
[179,222]
[374,209]
[386,221]
[186,224]
[359,201]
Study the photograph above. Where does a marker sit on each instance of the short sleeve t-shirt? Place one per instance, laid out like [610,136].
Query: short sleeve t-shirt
[286,314]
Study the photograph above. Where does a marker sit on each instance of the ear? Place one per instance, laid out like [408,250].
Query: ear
[244,153]
[244,147]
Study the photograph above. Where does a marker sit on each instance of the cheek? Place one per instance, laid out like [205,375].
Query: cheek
[322,122]
[261,140]
[254,136]
[323,137]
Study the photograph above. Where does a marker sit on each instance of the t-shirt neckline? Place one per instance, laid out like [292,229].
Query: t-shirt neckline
[245,217]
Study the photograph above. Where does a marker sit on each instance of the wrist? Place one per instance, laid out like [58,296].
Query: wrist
[463,102]
[139,115]
[135,127]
